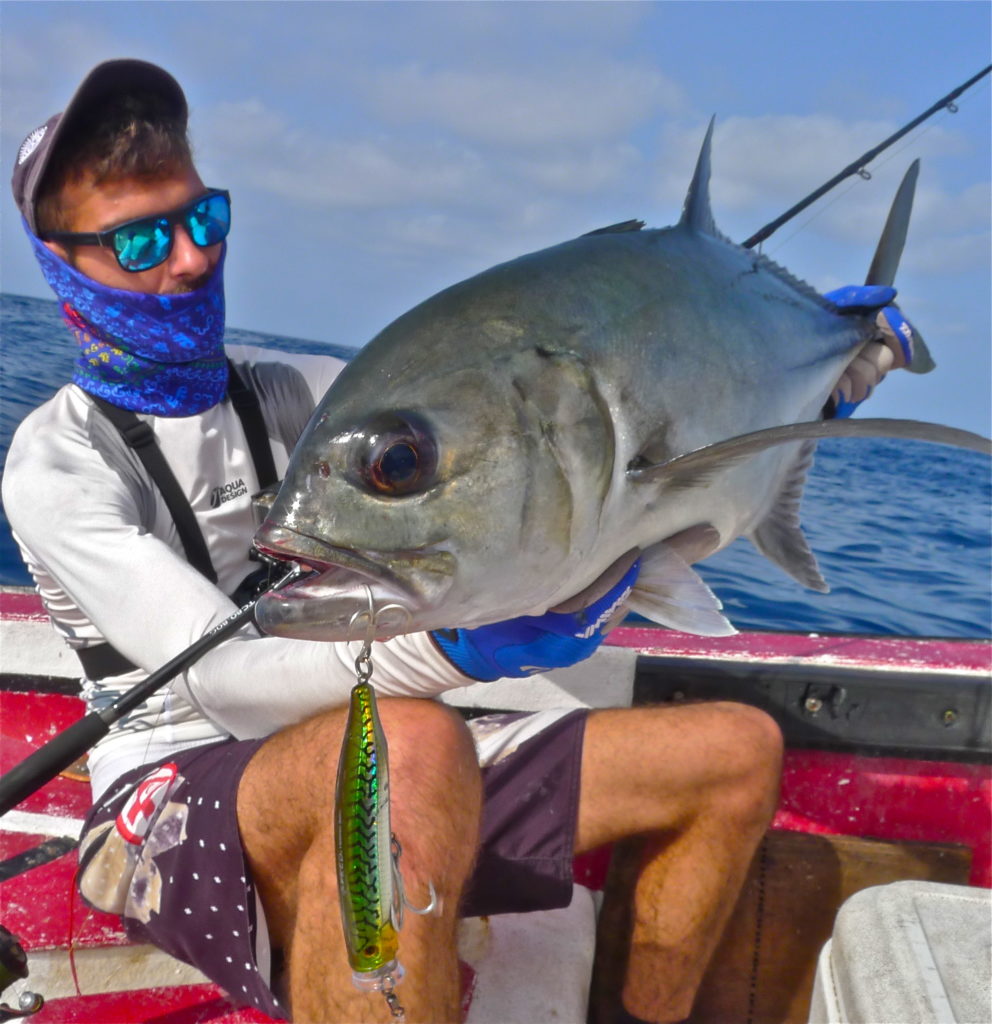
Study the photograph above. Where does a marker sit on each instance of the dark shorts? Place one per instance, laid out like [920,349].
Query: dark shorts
[190,893]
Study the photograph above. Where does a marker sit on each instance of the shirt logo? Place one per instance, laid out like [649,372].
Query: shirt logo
[227,492]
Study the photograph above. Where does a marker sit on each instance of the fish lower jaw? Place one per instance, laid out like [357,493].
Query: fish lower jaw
[335,605]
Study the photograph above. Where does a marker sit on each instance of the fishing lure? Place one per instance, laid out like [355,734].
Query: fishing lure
[369,880]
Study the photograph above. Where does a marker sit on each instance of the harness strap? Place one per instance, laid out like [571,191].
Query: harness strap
[104,660]
[249,411]
[141,439]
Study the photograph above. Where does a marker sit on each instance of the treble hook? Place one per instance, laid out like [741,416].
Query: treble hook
[400,902]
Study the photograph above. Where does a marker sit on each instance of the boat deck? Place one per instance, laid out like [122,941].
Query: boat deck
[887,776]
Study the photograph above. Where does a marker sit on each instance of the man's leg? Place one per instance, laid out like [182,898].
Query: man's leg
[286,816]
[700,783]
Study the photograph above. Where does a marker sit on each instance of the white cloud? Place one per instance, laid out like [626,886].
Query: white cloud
[765,164]
[267,151]
[950,254]
[585,101]
[578,170]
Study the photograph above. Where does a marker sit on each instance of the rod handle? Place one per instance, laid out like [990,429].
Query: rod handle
[46,762]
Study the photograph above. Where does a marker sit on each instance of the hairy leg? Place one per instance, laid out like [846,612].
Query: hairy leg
[699,784]
[285,811]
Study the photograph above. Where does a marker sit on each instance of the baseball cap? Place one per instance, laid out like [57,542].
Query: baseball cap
[112,77]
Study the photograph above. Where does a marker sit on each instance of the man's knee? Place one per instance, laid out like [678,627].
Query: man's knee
[430,743]
[747,768]
[292,776]
[435,793]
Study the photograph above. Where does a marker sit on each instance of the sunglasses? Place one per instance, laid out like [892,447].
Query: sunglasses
[147,241]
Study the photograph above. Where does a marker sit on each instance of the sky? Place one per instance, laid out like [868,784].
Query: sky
[378,152]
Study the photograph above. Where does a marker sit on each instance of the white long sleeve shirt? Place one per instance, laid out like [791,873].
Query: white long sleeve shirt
[103,549]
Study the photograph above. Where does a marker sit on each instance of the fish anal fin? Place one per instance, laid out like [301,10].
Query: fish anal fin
[779,536]
[670,592]
[598,588]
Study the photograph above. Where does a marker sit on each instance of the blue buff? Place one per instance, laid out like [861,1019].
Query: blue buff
[855,299]
[534,643]
[158,354]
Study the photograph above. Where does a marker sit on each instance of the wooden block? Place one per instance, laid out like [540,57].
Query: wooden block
[762,971]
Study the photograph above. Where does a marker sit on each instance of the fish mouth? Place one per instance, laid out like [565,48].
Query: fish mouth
[345,589]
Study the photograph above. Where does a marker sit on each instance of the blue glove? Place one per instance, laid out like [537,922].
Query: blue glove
[534,643]
[894,329]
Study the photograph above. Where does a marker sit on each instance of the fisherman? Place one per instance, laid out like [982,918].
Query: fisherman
[211,833]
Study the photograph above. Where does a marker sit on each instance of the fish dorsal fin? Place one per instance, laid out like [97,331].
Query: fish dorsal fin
[698,466]
[616,229]
[889,251]
[696,212]
[669,591]
[779,536]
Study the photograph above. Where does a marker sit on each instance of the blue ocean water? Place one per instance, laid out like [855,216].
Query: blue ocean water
[901,529]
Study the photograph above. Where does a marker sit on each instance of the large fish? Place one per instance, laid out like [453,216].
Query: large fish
[517,439]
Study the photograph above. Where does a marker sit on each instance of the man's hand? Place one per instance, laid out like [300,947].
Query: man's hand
[536,643]
[891,350]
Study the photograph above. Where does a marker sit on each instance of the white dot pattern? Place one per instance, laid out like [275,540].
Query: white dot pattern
[205,892]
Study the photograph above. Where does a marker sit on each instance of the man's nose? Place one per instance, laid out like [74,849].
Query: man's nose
[187,259]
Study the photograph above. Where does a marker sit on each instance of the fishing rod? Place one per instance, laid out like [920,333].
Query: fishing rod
[58,753]
[947,102]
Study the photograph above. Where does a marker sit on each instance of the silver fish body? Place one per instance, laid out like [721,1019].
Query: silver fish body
[473,462]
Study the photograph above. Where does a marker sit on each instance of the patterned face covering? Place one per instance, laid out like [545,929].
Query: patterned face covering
[160,354]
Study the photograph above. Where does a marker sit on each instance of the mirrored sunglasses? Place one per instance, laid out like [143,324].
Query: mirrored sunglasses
[147,241]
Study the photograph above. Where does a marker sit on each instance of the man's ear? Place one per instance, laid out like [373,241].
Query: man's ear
[60,250]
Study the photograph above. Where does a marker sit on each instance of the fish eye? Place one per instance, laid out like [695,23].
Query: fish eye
[396,455]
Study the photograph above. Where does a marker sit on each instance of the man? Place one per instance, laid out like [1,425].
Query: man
[212,829]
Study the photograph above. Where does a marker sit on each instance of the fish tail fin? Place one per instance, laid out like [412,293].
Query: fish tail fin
[888,252]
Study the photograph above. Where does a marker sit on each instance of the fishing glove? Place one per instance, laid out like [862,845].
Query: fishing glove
[535,643]
[892,349]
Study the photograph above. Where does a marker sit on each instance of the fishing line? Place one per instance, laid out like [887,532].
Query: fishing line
[945,103]
[863,175]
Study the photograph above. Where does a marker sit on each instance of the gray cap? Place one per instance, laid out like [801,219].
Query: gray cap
[111,78]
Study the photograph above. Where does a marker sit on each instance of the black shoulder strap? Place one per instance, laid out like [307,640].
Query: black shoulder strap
[246,405]
[140,437]
[103,660]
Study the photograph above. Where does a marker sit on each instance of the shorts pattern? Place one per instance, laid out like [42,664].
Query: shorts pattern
[206,912]
[187,889]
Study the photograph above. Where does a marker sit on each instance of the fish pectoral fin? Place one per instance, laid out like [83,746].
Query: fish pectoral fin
[669,591]
[701,464]
[779,536]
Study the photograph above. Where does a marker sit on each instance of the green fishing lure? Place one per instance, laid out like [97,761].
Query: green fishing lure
[370,885]
[371,900]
